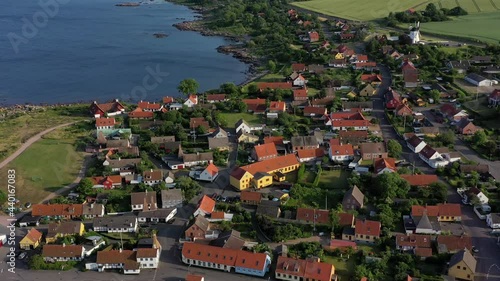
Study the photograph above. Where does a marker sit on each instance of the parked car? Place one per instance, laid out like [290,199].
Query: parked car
[22,255]
[475,250]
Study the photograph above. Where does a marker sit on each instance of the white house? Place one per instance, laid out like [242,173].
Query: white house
[170,180]
[210,173]
[475,192]
[493,220]
[52,252]
[104,123]
[342,152]
[175,106]
[143,201]
[299,81]
[191,101]
[126,223]
[160,215]
[478,80]
[148,257]
[432,157]
[152,177]
[415,144]
[242,125]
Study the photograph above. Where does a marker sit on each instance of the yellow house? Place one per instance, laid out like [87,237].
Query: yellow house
[32,240]
[339,56]
[64,229]
[262,179]
[352,95]
[462,265]
[241,177]
[247,138]
[279,176]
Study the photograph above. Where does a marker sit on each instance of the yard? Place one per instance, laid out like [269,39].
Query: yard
[334,179]
[343,268]
[45,166]
[31,123]
[481,108]
[232,118]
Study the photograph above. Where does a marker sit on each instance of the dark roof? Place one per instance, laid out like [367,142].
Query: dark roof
[424,222]
[269,208]
[414,141]
[357,104]
[480,168]
[218,142]
[465,256]
[202,223]
[229,240]
[427,152]
[115,221]
[355,193]
[476,77]
[304,141]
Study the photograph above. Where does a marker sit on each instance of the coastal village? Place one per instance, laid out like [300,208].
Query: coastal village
[329,171]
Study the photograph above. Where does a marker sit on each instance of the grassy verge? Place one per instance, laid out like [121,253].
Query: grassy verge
[46,166]
[232,118]
[21,126]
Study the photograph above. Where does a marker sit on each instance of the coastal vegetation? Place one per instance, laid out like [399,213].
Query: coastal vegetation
[21,123]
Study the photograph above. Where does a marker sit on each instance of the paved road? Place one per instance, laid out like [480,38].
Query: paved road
[29,142]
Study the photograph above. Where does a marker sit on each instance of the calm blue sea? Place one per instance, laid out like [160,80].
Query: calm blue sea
[92,50]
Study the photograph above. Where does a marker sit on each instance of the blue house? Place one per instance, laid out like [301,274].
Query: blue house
[256,264]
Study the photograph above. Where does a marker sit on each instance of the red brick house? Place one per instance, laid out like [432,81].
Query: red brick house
[466,127]
[317,216]
[313,36]
[392,99]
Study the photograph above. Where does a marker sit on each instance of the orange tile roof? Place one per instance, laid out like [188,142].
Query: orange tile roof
[367,227]
[298,66]
[366,64]
[308,270]
[371,78]
[362,57]
[299,93]
[319,271]
[148,105]
[216,97]
[307,214]
[420,180]
[201,252]
[274,85]
[254,101]
[112,179]
[57,210]
[455,243]
[266,150]
[212,169]
[309,153]
[346,219]
[217,215]
[256,261]
[33,235]
[418,211]
[337,243]
[343,149]
[193,99]
[207,204]
[290,266]
[272,164]
[382,163]
[446,209]
[105,121]
[139,113]
[168,100]
[277,105]
[250,196]
[350,123]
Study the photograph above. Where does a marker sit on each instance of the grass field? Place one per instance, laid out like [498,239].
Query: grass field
[232,118]
[45,166]
[476,26]
[29,124]
[335,179]
[344,269]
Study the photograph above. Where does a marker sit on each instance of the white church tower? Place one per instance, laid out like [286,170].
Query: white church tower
[415,33]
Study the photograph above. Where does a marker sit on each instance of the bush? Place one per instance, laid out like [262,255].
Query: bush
[318,177]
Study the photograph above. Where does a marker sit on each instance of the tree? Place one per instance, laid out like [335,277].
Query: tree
[271,66]
[85,186]
[395,149]
[391,185]
[189,187]
[188,86]
[435,95]
[479,138]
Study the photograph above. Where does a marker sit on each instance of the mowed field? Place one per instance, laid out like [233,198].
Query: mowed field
[46,166]
[483,16]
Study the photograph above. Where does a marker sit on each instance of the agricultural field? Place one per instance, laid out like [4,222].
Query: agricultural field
[483,14]
[476,26]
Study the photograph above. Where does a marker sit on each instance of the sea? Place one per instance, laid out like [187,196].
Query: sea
[65,51]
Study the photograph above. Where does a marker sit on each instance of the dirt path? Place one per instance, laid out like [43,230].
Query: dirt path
[29,142]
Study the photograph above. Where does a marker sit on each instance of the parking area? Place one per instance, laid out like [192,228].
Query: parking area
[452,228]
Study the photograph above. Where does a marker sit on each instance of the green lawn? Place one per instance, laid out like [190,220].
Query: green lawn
[44,167]
[232,118]
[271,77]
[309,176]
[344,269]
[123,236]
[334,179]
[480,107]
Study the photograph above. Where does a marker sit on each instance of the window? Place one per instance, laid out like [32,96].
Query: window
[464,268]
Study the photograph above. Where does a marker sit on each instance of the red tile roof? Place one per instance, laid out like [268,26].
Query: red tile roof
[274,85]
[147,105]
[193,277]
[299,93]
[343,149]
[112,179]
[449,109]
[310,153]
[298,67]
[146,253]
[313,36]
[272,164]
[255,261]
[353,134]
[369,78]
[367,227]
[250,196]
[420,180]
[346,219]
[446,209]
[139,113]
[413,240]
[167,100]
[212,169]
[217,215]
[216,97]
[307,270]
[266,150]
[315,110]
[291,266]
[62,251]
[113,106]
[105,121]
[193,99]
[366,64]
[196,122]
[342,244]
[115,256]
[254,101]
[455,243]
[57,210]
[350,123]
[206,204]
[362,57]
[277,140]
[313,215]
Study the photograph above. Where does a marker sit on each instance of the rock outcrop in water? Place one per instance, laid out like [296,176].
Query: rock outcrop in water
[128,4]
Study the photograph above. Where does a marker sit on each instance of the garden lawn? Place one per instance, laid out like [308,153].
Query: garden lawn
[480,107]
[344,269]
[232,118]
[334,179]
[46,166]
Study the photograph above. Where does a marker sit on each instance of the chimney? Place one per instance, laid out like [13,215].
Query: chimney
[121,250]
[64,244]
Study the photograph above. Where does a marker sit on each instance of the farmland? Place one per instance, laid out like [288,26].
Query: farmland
[483,14]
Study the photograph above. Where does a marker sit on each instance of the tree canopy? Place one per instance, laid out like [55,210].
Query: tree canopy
[188,86]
